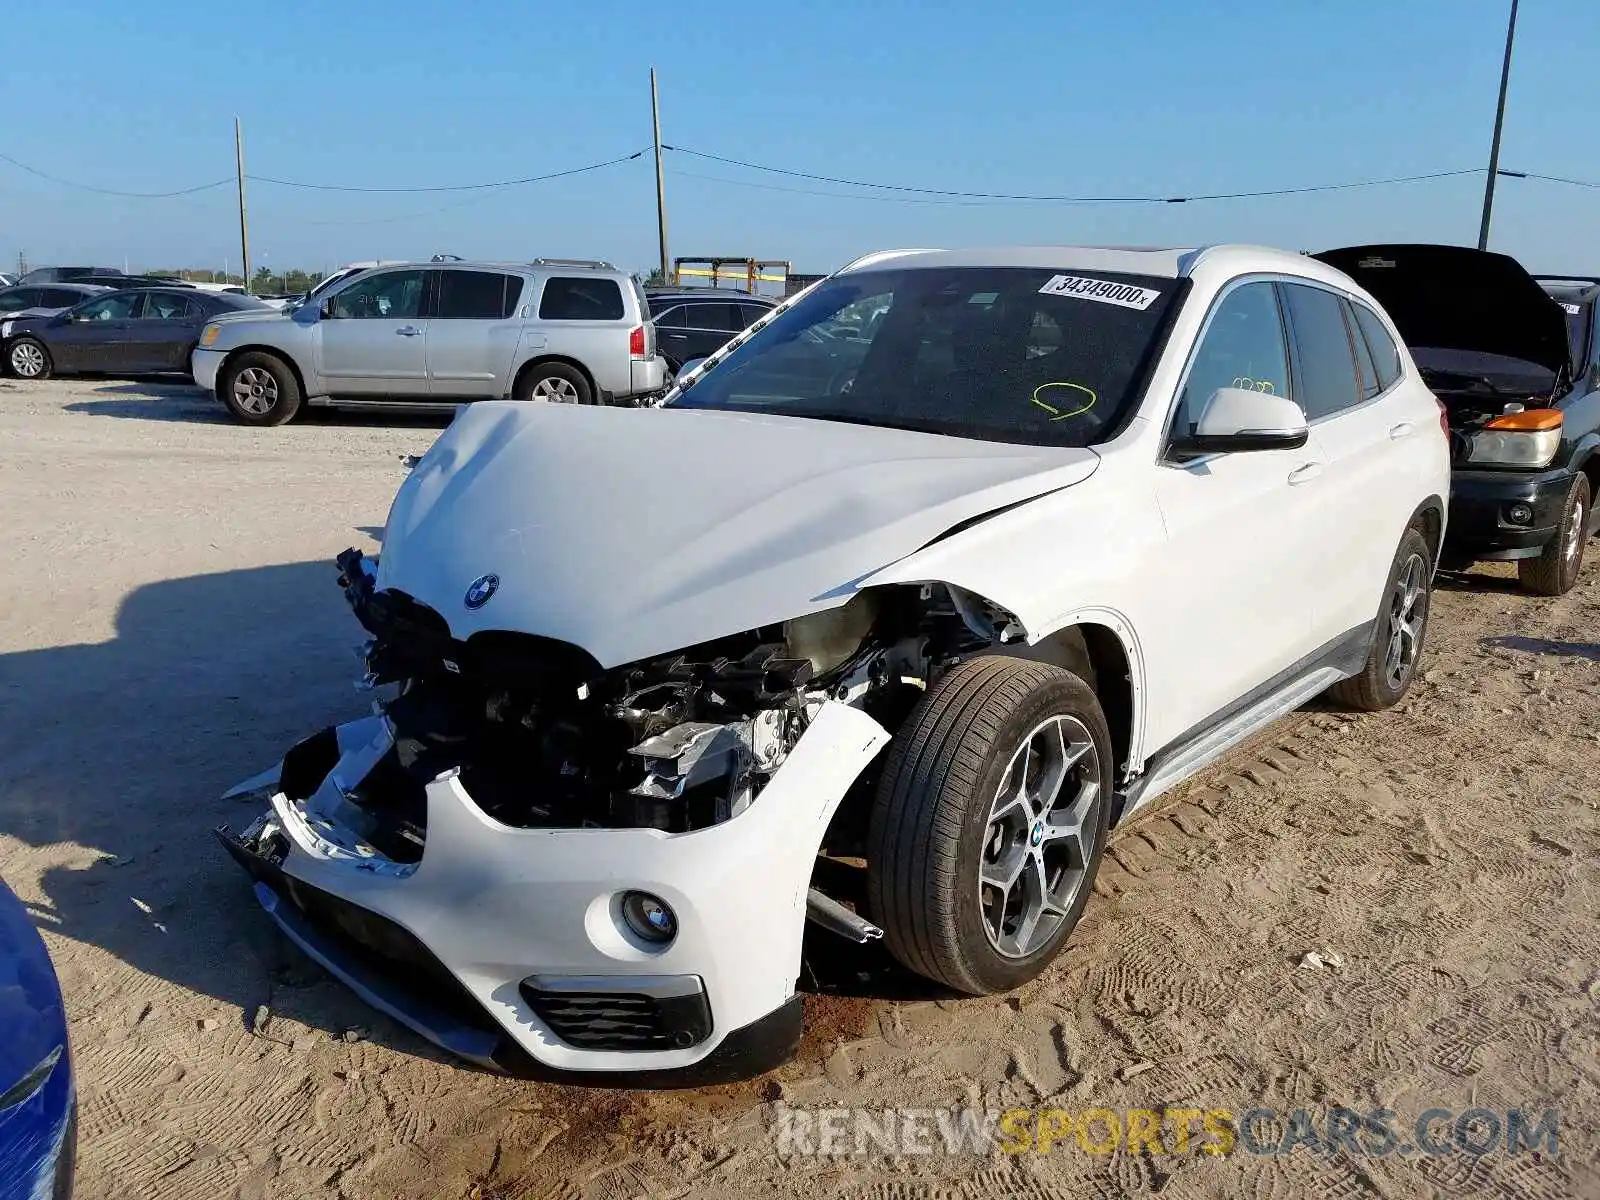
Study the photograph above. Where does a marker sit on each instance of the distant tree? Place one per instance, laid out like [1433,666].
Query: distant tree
[261,283]
[655,279]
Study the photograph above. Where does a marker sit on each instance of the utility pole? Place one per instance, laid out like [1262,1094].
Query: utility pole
[661,179]
[244,224]
[1494,146]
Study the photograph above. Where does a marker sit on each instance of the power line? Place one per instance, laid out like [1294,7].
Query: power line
[678,173]
[1583,183]
[453,187]
[105,191]
[1079,199]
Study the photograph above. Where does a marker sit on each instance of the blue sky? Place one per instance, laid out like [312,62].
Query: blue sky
[1052,96]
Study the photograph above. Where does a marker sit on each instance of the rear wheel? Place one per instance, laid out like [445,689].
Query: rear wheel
[555,383]
[1398,633]
[1555,571]
[28,359]
[989,823]
[259,389]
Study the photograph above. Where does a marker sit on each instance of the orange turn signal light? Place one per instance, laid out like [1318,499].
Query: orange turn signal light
[1531,420]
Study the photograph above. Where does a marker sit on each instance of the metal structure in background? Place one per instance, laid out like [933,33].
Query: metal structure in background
[244,225]
[661,179]
[745,273]
[1499,120]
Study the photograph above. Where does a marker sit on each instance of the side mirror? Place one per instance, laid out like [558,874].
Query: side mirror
[1241,419]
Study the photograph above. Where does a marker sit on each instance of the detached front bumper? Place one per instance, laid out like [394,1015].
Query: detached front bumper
[506,945]
[204,365]
[1482,525]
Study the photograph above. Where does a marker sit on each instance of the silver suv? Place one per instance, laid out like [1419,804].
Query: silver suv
[434,335]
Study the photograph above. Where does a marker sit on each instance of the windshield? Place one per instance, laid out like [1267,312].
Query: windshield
[1008,354]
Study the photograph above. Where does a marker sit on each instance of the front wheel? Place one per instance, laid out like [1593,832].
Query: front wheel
[989,823]
[1398,633]
[1555,571]
[28,359]
[259,389]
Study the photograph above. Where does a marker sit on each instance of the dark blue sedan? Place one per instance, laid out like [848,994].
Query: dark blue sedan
[38,1098]
[138,331]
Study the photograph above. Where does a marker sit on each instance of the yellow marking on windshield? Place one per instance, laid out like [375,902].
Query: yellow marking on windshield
[1056,413]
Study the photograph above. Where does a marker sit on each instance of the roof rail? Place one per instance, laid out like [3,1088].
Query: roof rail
[1569,278]
[599,264]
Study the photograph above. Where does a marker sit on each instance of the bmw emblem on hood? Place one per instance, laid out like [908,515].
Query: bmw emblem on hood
[480,589]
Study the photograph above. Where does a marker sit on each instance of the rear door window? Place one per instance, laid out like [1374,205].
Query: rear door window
[1325,377]
[21,298]
[1366,368]
[568,298]
[1385,354]
[672,318]
[477,295]
[724,318]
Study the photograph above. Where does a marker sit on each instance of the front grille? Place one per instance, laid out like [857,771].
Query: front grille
[592,1020]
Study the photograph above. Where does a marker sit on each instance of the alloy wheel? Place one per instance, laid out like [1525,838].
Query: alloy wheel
[556,390]
[255,391]
[27,360]
[1039,836]
[1576,521]
[1408,617]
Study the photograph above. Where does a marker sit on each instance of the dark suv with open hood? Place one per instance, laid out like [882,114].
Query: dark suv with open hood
[1516,365]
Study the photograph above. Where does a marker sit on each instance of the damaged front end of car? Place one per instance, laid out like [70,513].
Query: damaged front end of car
[552,867]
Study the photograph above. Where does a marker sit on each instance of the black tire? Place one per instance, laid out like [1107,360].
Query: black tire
[930,833]
[1379,685]
[275,392]
[40,354]
[555,382]
[1555,571]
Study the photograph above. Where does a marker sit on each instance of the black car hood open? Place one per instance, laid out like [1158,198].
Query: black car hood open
[1458,298]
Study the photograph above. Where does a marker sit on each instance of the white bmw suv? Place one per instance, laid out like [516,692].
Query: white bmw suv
[948,567]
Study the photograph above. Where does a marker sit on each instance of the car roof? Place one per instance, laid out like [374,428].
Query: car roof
[1171,262]
[559,266]
[706,294]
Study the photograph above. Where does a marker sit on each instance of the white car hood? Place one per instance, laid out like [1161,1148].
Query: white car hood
[635,532]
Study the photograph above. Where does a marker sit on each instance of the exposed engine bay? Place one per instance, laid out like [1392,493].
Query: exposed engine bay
[543,738]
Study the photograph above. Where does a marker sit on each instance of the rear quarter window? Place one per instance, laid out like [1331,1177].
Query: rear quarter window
[1385,354]
[567,298]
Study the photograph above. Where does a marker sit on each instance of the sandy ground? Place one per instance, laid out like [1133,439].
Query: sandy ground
[169,623]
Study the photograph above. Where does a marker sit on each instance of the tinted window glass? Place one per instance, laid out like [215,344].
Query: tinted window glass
[724,318]
[392,295]
[1385,354]
[568,299]
[751,313]
[20,298]
[672,318]
[951,350]
[1242,347]
[477,295]
[1366,369]
[1326,380]
[120,307]
[60,297]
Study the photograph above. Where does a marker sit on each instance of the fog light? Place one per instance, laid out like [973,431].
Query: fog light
[649,918]
[1519,514]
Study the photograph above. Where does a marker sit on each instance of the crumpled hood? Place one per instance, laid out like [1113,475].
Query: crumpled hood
[634,532]
[1458,298]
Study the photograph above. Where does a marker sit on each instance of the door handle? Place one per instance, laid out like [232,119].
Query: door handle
[408,331]
[1305,473]
[1401,430]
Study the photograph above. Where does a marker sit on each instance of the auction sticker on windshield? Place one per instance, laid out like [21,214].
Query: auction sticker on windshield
[1103,290]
